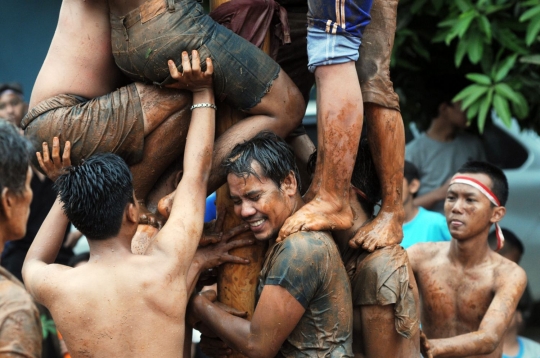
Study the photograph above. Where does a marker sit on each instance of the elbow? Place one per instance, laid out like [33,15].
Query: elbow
[488,343]
[257,350]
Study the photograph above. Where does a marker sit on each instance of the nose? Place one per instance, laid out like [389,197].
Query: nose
[247,210]
[457,206]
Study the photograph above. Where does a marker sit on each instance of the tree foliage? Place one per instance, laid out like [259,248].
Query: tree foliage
[488,50]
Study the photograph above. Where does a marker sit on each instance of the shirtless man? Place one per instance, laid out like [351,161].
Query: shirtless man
[20,326]
[304,305]
[143,124]
[120,303]
[469,293]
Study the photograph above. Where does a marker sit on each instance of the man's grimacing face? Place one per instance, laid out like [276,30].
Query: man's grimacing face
[467,210]
[260,203]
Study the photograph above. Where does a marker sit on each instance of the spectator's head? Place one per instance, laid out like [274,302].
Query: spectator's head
[365,179]
[98,197]
[15,177]
[513,248]
[475,199]
[12,104]
[79,260]
[264,183]
[438,104]
[411,182]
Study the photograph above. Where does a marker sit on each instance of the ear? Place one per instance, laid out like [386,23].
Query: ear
[6,203]
[289,185]
[132,214]
[498,214]
[414,186]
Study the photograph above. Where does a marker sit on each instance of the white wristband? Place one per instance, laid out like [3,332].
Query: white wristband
[203,105]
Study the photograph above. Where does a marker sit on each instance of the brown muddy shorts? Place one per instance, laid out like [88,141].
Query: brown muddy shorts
[382,278]
[110,123]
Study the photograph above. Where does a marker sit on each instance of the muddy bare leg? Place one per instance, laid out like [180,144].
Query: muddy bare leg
[280,111]
[166,121]
[339,116]
[387,145]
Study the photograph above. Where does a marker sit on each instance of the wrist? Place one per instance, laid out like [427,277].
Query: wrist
[205,94]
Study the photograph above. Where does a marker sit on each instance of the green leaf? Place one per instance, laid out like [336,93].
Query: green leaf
[461,51]
[473,110]
[485,27]
[484,108]
[417,5]
[507,92]
[464,22]
[475,48]
[463,5]
[505,67]
[469,100]
[529,14]
[521,109]
[510,40]
[467,92]
[148,52]
[479,78]
[47,326]
[532,59]
[532,31]
[502,109]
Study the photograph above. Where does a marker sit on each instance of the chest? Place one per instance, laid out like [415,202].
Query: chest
[457,298]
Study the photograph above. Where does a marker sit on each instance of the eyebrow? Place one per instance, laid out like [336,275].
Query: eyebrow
[249,193]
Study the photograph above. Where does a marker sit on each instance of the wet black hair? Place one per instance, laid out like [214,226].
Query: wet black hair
[273,154]
[410,172]
[85,256]
[498,179]
[95,194]
[511,241]
[15,152]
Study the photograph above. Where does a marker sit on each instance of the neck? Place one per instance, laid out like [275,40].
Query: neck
[470,252]
[441,131]
[109,249]
[410,209]
[510,342]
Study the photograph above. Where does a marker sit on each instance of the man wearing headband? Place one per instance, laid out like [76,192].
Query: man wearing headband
[469,292]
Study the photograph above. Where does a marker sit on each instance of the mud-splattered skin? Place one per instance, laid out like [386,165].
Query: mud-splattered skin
[468,292]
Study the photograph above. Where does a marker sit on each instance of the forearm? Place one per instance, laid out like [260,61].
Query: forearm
[474,343]
[234,331]
[193,275]
[48,240]
[200,138]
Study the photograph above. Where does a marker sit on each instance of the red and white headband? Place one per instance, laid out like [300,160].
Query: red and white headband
[461,179]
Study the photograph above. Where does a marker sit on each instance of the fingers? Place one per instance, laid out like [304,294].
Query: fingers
[56,153]
[40,161]
[66,157]
[235,231]
[209,66]
[195,61]
[235,260]
[45,151]
[173,70]
[239,243]
[186,64]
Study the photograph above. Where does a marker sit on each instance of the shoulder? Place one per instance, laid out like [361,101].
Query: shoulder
[315,246]
[509,274]
[426,253]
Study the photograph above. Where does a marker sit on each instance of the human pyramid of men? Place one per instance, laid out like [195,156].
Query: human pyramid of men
[125,109]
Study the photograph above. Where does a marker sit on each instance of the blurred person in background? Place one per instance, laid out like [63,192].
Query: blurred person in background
[420,225]
[13,107]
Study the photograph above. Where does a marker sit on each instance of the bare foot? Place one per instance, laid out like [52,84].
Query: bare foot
[165,205]
[385,230]
[318,215]
[142,238]
[146,217]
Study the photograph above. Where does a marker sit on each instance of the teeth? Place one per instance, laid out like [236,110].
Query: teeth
[256,223]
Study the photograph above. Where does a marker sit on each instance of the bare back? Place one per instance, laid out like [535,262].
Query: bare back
[79,60]
[455,299]
[122,310]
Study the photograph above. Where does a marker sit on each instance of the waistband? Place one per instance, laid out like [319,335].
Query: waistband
[143,13]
